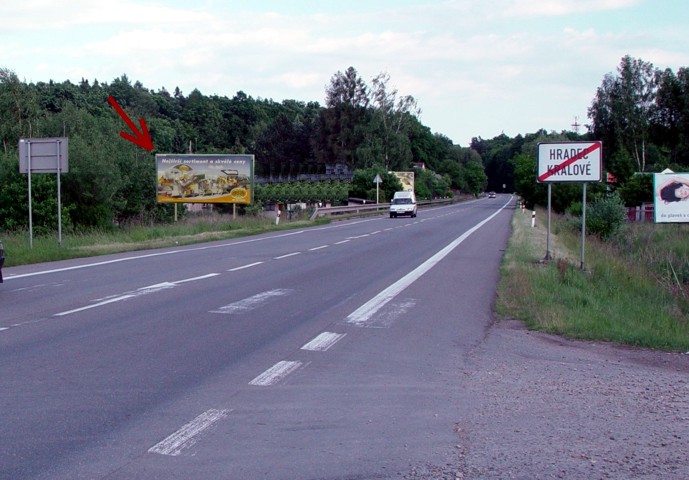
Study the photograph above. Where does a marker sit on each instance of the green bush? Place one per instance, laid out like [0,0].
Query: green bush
[605,216]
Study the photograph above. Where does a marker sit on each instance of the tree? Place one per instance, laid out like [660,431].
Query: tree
[18,108]
[621,110]
[340,123]
[475,178]
[392,113]
[363,186]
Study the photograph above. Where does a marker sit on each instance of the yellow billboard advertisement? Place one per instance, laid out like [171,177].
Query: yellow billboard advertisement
[406,178]
[205,178]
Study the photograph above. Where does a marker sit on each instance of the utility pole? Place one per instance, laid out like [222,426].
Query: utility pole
[576,125]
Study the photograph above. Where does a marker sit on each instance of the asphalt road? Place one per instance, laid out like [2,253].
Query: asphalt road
[331,352]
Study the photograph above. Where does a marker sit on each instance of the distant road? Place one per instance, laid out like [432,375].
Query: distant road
[323,353]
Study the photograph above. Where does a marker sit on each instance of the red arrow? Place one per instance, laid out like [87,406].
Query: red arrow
[143,138]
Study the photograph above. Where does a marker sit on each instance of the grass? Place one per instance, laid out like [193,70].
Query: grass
[192,229]
[615,298]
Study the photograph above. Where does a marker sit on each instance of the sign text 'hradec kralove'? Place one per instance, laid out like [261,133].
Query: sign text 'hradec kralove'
[569,162]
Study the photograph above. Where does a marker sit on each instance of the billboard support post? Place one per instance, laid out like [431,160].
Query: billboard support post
[28,147]
[547,236]
[583,227]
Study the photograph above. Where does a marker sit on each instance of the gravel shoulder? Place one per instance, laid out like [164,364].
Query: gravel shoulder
[547,407]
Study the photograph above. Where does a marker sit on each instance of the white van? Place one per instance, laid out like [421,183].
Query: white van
[403,203]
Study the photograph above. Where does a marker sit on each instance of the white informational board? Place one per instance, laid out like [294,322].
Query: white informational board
[570,162]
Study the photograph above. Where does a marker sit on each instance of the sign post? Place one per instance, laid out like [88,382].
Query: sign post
[579,162]
[44,155]
[377,181]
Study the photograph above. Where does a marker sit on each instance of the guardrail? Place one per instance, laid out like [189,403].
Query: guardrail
[369,208]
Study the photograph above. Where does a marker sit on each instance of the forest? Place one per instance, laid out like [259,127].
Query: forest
[304,152]
[308,152]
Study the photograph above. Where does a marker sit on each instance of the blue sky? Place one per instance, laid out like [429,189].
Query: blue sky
[476,67]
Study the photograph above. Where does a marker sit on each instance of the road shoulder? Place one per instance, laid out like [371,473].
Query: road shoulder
[548,407]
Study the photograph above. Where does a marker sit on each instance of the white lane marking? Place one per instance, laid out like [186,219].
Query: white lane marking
[252,302]
[275,373]
[193,279]
[139,257]
[387,317]
[189,434]
[288,255]
[244,266]
[363,314]
[139,292]
[323,341]
[341,242]
[318,248]
[95,305]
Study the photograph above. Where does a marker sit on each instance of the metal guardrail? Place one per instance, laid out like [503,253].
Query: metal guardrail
[348,209]
[368,208]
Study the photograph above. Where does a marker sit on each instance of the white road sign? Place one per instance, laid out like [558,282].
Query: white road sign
[570,162]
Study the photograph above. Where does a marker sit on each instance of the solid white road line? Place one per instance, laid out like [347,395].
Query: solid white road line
[363,314]
[275,373]
[138,257]
[323,341]
[189,434]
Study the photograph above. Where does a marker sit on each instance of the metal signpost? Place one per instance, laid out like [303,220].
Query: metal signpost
[377,181]
[570,162]
[44,155]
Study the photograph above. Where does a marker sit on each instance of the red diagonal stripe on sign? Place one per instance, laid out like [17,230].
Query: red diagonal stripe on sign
[566,163]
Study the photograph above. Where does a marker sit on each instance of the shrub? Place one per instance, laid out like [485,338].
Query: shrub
[605,216]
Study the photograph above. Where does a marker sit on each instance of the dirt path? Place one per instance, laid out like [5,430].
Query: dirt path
[549,408]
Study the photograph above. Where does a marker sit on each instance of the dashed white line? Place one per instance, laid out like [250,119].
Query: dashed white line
[95,305]
[287,255]
[189,434]
[275,373]
[139,292]
[318,248]
[244,266]
[323,341]
[341,242]
[252,302]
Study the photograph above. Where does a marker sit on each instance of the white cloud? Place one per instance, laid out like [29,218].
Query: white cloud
[475,67]
[547,8]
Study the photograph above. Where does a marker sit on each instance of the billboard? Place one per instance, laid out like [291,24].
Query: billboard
[406,178]
[670,194]
[205,178]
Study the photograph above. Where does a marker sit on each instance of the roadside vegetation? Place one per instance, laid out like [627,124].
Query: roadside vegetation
[633,289]
[190,229]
